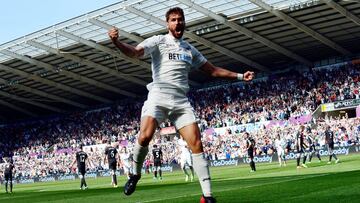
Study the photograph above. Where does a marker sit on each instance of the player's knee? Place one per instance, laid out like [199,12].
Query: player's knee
[144,138]
[196,146]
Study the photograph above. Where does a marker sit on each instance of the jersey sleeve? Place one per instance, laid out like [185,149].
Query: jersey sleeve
[198,59]
[149,45]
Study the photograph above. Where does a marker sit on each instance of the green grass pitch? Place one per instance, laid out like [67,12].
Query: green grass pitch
[318,183]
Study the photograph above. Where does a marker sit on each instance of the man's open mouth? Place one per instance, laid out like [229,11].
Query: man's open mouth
[178,30]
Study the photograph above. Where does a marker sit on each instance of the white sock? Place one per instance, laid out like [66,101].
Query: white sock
[201,168]
[140,153]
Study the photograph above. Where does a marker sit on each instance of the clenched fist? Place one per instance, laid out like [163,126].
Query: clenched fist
[249,75]
[113,34]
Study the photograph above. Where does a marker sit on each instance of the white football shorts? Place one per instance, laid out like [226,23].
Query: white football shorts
[169,103]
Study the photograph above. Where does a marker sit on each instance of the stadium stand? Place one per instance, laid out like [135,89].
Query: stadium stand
[46,147]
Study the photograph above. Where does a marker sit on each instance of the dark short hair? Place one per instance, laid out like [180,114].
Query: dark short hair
[177,10]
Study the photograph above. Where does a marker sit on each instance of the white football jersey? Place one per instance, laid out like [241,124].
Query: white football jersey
[172,60]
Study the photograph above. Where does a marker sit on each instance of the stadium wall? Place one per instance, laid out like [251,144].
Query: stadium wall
[346,150]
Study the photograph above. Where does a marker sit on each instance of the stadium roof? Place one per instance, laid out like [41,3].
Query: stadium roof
[73,65]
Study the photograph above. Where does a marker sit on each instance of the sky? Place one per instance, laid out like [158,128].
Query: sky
[21,17]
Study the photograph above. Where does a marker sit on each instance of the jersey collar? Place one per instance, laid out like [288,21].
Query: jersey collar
[173,38]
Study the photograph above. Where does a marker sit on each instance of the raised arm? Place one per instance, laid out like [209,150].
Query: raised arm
[128,50]
[218,72]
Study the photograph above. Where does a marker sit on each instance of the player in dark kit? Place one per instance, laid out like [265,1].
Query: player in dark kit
[157,154]
[8,174]
[111,155]
[313,147]
[250,146]
[81,159]
[300,147]
[329,141]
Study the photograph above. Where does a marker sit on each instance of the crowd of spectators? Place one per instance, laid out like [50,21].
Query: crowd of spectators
[232,144]
[279,97]
[46,147]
